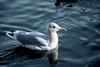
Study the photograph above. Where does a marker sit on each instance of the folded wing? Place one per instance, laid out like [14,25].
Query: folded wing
[32,40]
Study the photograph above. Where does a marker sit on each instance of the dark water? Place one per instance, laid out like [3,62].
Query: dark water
[79,46]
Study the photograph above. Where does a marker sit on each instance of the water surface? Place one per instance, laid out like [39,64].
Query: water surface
[79,46]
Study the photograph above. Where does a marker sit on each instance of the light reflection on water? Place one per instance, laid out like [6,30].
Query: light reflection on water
[78,46]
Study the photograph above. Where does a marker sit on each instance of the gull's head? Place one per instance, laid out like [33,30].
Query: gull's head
[53,27]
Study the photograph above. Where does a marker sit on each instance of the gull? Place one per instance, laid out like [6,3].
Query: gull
[39,41]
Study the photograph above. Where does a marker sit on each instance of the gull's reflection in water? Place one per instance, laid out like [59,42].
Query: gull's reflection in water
[19,54]
[34,54]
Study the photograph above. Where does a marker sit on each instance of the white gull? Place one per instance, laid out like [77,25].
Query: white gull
[39,41]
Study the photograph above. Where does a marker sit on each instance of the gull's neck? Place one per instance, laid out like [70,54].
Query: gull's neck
[53,39]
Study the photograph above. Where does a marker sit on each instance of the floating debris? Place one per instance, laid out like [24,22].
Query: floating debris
[69,2]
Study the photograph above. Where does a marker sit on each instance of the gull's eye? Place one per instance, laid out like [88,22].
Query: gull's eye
[53,27]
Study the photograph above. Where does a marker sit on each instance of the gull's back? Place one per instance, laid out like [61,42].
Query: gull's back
[33,40]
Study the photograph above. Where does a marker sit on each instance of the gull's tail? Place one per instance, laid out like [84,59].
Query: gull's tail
[10,34]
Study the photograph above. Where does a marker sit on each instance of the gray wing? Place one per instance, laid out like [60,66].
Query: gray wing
[31,38]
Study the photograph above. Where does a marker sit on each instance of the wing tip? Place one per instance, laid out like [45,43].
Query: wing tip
[10,34]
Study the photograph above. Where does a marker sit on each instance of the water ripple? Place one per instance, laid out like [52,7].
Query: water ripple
[78,46]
